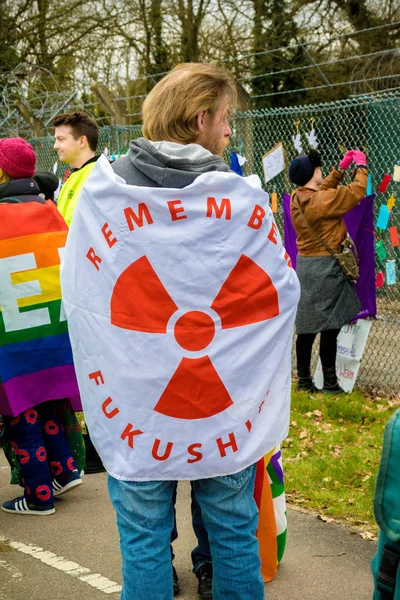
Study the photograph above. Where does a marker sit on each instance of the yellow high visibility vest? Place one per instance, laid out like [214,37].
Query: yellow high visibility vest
[70,191]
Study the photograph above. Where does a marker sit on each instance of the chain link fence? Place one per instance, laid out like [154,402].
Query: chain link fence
[367,123]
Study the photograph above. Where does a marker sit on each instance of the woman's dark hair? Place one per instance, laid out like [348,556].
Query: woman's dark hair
[315,158]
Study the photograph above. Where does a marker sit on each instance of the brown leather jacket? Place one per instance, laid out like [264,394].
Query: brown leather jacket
[324,209]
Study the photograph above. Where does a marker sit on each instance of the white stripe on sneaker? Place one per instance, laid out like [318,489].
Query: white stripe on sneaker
[66,487]
[20,506]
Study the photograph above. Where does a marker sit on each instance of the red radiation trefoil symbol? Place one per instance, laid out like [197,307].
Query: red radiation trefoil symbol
[140,302]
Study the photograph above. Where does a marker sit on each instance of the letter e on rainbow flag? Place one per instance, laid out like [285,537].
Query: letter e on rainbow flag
[35,353]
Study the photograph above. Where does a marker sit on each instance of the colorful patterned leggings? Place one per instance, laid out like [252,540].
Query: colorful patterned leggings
[42,448]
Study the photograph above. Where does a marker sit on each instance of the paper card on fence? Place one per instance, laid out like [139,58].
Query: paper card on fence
[273,162]
[394,236]
[274,202]
[391,202]
[380,279]
[370,189]
[396,173]
[380,250]
[383,217]
[383,186]
[350,349]
[391,277]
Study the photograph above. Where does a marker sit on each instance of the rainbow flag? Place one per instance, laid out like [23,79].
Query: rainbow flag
[35,353]
[269,494]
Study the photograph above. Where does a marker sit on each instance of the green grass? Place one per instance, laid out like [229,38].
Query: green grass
[332,454]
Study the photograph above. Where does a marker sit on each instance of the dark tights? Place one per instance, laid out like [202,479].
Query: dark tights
[327,350]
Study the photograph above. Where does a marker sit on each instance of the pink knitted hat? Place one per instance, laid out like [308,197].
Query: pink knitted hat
[17,158]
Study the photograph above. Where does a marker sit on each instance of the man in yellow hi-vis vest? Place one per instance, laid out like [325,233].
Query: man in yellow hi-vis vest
[76,136]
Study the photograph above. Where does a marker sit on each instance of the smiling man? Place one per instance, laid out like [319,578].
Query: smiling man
[76,136]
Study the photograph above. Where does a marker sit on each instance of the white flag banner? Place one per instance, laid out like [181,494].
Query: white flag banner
[181,304]
[351,343]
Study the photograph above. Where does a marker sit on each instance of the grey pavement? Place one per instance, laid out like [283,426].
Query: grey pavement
[323,561]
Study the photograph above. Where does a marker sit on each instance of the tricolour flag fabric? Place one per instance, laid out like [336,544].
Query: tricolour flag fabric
[180,304]
[36,361]
[269,494]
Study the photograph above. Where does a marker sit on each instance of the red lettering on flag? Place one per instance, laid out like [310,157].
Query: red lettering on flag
[129,433]
[272,233]
[248,425]
[156,447]
[113,412]
[131,217]
[231,444]
[256,219]
[97,376]
[219,210]
[289,262]
[175,211]
[193,452]
[108,235]
[94,259]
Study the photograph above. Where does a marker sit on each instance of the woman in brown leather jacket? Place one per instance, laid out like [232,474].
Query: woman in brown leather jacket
[328,300]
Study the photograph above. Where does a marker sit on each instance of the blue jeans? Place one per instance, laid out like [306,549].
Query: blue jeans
[201,554]
[145,519]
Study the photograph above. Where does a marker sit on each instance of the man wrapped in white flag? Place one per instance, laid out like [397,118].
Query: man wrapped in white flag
[181,301]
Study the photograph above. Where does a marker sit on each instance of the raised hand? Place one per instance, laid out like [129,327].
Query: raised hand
[347,159]
[360,158]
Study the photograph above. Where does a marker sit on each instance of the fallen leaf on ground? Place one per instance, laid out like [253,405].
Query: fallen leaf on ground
[366,535]
[325,518]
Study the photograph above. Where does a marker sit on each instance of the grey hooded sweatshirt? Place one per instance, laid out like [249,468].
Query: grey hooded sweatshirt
[166,164]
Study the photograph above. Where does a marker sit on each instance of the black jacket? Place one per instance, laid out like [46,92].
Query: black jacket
[24,190]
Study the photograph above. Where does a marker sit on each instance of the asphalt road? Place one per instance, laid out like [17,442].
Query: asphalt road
[74,554]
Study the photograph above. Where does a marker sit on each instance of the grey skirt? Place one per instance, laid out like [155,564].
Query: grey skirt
[328,300]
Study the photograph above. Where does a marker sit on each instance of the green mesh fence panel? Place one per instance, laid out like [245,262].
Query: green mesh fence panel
[371,124]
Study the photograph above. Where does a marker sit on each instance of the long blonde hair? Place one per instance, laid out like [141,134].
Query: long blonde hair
[171,108]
